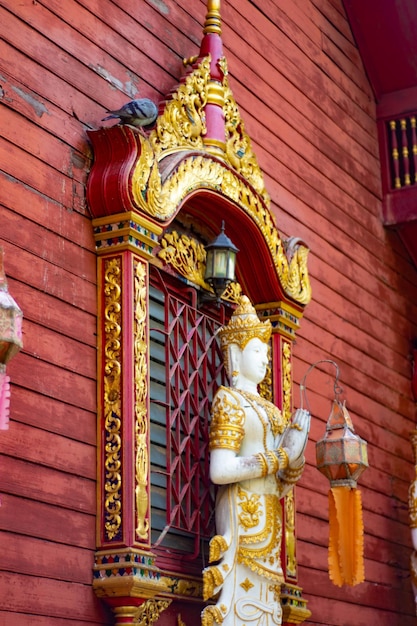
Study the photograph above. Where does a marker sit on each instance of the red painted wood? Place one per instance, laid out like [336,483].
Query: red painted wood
[72,457]
[53,487]
[24,554]
[109,189]
[39,209]
[50,598]
[15,619]
[42,520]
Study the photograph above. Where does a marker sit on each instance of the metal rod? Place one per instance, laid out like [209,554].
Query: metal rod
[336,387]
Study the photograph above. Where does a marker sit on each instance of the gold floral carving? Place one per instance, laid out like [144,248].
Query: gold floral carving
[250,506]
[141,391]
[286,381]
[148,612]
[186,255]
[212,578]
[112,395]
[161,199]
[181,587]
[412,492]
[291,564]
[182,124]
[246,585]
[272,520]
[239,151]
[232,293]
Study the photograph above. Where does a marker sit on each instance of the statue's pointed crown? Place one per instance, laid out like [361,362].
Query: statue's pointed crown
[244,325]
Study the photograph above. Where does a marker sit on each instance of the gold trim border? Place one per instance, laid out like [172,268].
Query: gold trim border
[112,396]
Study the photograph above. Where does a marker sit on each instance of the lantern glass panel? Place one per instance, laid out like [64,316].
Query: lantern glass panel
[220,264]
[209,273]
[231,266]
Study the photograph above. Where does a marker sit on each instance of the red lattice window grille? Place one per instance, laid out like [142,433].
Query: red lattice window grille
[186,369]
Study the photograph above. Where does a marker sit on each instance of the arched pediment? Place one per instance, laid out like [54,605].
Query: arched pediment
[199,156]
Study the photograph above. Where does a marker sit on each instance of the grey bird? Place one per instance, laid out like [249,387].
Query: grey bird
[141,113]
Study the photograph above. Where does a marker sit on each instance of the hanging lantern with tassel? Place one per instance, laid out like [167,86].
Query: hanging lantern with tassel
[342,456]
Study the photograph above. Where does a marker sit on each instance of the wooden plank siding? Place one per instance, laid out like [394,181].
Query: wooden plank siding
[298,79]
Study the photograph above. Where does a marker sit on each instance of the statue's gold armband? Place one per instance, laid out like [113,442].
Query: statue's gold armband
[227,424]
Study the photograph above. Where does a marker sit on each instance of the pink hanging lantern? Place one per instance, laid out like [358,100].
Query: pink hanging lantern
[11,318]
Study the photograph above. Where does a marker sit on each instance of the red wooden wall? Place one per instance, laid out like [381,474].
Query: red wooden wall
[297,77]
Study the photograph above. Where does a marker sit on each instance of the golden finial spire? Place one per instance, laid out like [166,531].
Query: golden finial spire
[213,22]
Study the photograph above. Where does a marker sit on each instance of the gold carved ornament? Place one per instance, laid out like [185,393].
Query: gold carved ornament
[250,507]
[253,556]
[286,382]
[182,124]
[213,615]
[141,390]
[247,585]
[186,255]
[291,564]
[239,151]
[148,612]
[112,396]
[412,493]
[273,413]
[218,545]
[290,540]
[412,508]
[212,578]
[179,129]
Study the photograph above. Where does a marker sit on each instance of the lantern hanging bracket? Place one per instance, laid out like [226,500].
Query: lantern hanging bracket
[338,390]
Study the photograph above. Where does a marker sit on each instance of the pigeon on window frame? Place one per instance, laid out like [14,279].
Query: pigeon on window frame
[140,113]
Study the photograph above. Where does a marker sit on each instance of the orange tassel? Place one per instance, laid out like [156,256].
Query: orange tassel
[346,565]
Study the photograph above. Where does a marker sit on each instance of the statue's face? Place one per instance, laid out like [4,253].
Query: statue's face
[253,360]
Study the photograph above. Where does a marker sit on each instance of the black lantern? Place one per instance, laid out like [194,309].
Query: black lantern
[220,263]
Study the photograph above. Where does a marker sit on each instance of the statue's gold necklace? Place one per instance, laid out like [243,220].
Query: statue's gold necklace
[273,413]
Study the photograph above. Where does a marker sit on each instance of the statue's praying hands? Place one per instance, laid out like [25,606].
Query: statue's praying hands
[295,437]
